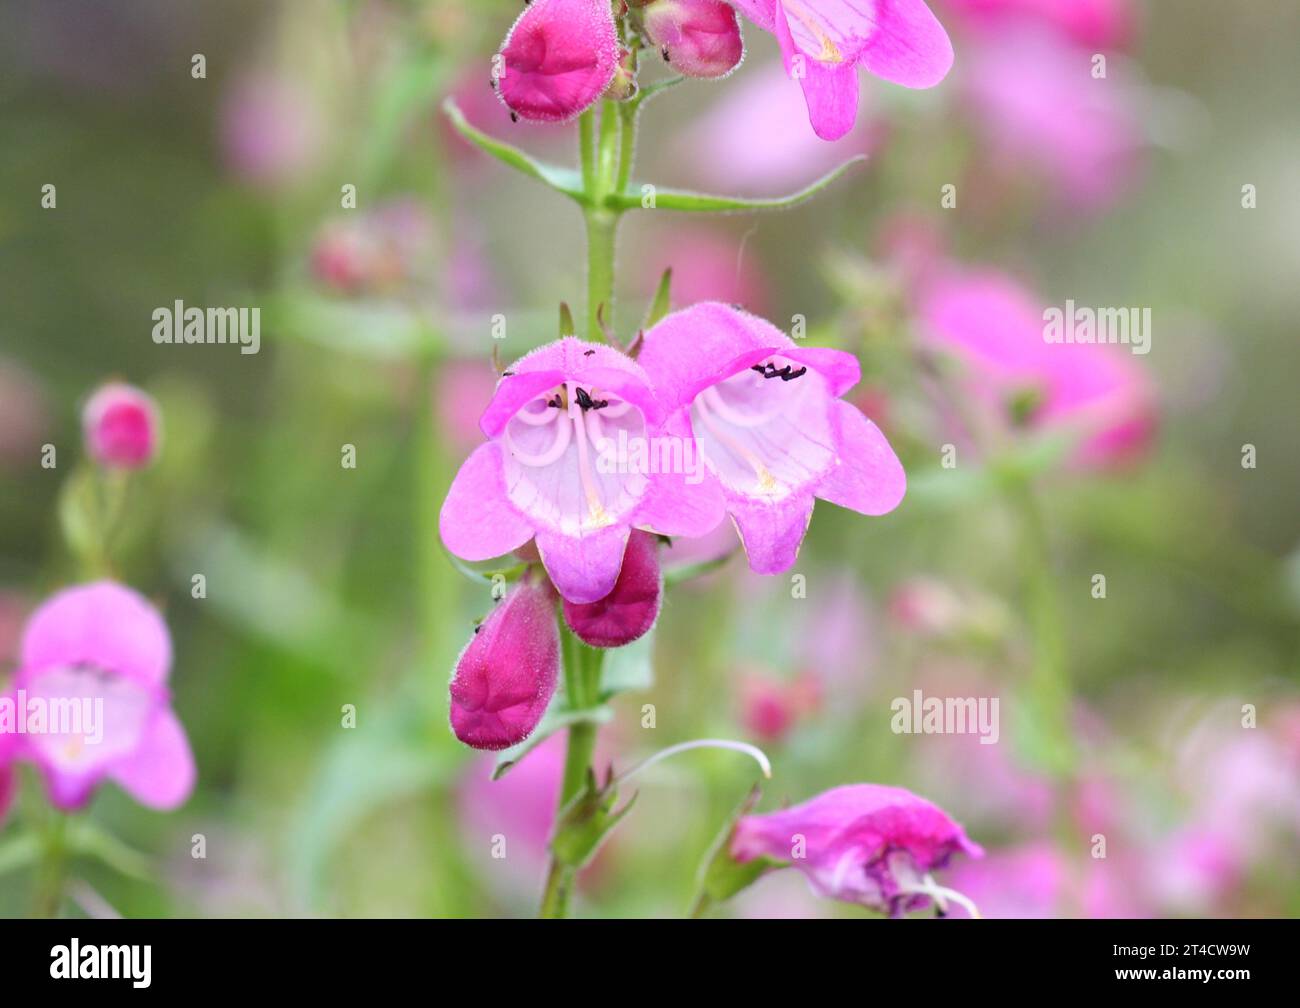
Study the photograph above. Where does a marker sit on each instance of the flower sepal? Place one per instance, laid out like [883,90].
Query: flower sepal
[588,820]
[721,876]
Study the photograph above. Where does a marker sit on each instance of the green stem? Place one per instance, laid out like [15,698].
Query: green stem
[602,221]
[586,146]
[51,875]
[602,229]
[582,671]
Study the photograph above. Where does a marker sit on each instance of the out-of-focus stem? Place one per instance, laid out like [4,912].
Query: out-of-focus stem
[52,872]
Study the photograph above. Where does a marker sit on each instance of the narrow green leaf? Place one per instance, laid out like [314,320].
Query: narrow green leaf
[567,328]
[89,840]
[663,302]
[19,851]
[552,721]
[564,180]
[689,202]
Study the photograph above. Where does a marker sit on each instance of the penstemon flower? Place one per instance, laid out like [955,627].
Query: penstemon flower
[102,643]
[770,424]
[558,58]
[699,38]
[543,475]
[861,843]
[823,42]
[507,673]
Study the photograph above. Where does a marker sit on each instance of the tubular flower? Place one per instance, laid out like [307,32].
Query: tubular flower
[122,426]
[861,843]
[823,42]
[773,431]
[506,675]
[549,472]
[101,650]
[699,38]
[557,59]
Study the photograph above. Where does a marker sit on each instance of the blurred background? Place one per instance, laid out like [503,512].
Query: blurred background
[326,586]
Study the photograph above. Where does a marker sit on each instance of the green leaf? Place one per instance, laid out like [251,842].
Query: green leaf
[663,302]
[586,821]
[19,851]
[564,180]
[567,328]
[89,840]
[554,720]
[689,202]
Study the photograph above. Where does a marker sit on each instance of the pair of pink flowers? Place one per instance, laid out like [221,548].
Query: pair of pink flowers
[102,651]
[772,435]
[562,55]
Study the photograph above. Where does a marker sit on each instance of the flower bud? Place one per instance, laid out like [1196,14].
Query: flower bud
[630,610]
[122,426]
[506,675]
[558,58]
[700,38]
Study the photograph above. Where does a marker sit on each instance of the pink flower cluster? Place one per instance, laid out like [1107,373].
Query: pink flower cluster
[737,419]
[562,55]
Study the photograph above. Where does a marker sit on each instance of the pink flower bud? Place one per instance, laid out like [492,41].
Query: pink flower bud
[557,59]
[122,426]
[507,673]
[700,38]
[630,610]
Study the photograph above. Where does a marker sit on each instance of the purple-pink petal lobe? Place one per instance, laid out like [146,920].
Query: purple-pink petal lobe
[557,59]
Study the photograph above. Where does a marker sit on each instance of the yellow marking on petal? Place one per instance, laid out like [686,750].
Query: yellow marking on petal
[830,51]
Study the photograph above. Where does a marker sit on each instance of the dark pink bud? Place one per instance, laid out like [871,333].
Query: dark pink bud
[630,610]
[506,675]
[700,38]
[557,59]
[122,426]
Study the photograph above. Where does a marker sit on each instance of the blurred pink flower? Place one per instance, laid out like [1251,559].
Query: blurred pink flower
[1097,24]
[1035,882]
[995,328]
[520,807]
[925,606]
[770,708]
[269,130]
[102,643]
[537,477]
[8,780]
[838,638]
[375,250]
[824,41]
[507,673]
[755,138]
[1039,108]
[557,58]
[771,425]
[122,426]
[861,843]
[630,609]
[698,38]
[462,389]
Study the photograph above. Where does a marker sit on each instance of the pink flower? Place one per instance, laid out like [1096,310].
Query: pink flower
[103,645]
[8,785]
[823,42]
[506,675]
[771,708]
[122,426]
[767,416]
[699,38]
[755,138]
[557,59]
[861,843]
[269,130]
[995,329]
[1043,115]
[631,608]
[1093,23]
[707,264]
[544,475]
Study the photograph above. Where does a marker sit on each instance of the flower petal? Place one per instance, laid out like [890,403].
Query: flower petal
[910,46]
[831,91]
[477,521]
[103,624]
[771,533]
[629,611]
[867,477]
[160,773]
[688,503]
[583,568]
[558,58]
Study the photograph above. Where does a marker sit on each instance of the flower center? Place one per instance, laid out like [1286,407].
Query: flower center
[552,443]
